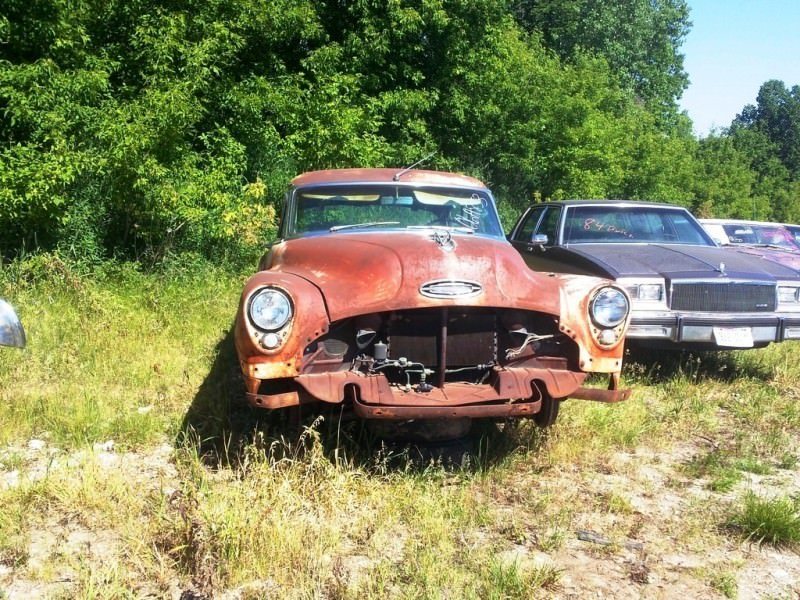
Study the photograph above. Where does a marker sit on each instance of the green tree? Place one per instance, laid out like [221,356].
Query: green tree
[768,134]
[145,127]
[776,115]
[724,183]
[640,39]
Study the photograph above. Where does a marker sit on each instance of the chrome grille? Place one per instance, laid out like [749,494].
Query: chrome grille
[723,297]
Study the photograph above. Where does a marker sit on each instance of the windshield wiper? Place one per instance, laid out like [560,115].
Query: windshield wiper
[458,228]
[360,225]
[773,247]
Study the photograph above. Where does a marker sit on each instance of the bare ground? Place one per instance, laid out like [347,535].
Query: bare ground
[633,526]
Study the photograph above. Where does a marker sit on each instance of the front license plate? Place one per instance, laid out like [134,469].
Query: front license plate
[734,337]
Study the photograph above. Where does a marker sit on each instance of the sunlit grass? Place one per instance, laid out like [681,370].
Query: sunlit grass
[124,355]
[112,355]
[774,521]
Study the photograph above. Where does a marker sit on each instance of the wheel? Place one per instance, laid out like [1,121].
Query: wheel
[547,416]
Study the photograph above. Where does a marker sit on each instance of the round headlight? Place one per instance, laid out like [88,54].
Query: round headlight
[270,309]
[609,307]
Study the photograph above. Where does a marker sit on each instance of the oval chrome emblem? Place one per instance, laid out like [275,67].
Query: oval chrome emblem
[450,288]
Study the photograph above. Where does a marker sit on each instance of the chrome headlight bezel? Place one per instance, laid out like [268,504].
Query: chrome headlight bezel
[650,292]
[788,294]
[605,298]
[278,302]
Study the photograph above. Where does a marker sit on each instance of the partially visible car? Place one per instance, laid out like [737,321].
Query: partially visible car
[770,241]
[11,331]
[794,230]
[394,293]
[750,233]
[686,292]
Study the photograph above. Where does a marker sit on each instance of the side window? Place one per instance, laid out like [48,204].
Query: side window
[549,225]
[525,231]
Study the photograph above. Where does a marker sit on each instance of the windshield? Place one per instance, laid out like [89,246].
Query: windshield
[632,224]
[795,231]
[760,235]
[338,208]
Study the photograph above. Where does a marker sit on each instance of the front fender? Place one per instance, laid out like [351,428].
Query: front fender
[576,322]
[309,321]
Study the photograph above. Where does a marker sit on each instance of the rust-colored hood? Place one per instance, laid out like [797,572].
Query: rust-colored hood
[360,272]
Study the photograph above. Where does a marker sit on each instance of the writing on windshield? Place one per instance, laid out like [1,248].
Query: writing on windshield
[592,224]
[595,224]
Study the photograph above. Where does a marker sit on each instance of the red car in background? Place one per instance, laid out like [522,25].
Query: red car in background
[770,241]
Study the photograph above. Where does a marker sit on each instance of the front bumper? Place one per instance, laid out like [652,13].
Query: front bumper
[708,329]
[510,392]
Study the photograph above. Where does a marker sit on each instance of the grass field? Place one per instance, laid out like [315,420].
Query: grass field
[124,472]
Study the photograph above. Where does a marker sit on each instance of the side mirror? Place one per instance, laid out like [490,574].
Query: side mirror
[11,331]
[540,239]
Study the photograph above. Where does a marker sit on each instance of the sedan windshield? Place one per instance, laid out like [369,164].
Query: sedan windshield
[350,208]
[632,224]
[760,235]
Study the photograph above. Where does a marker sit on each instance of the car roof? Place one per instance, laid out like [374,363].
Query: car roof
[740,222]
[622,203]
[415,176]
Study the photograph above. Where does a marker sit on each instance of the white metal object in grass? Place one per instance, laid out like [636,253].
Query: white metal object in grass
[11,331]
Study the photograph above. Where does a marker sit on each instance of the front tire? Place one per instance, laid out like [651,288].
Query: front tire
[548,414]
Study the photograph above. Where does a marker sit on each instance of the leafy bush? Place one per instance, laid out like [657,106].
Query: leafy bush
[144,129]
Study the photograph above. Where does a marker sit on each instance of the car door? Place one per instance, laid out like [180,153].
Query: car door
[537,237]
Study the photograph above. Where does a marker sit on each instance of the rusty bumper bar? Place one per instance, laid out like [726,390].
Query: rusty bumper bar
[369,410]
[475,411]
[480,411]
[598,395]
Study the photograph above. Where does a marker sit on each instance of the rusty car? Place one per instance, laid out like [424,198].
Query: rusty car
[395,294]
[686,292]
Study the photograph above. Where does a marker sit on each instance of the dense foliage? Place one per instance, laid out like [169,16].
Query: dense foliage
[139,128]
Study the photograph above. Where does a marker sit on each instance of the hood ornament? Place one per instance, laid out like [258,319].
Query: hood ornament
[721,269]
[444,239]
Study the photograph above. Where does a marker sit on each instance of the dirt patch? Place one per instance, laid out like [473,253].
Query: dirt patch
[636,526]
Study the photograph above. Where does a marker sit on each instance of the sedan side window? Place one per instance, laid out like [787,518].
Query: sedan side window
[528,227]
[549,225]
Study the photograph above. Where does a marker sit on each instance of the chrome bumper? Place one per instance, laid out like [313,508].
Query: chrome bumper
[705,328]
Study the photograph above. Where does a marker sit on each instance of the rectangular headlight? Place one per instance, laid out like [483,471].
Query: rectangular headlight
[650,291]
[788,294]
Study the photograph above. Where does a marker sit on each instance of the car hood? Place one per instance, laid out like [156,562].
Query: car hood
[362,272]
[675,261]
[787,258]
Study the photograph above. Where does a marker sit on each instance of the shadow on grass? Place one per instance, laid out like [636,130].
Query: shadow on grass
[653,366]
[222,429]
